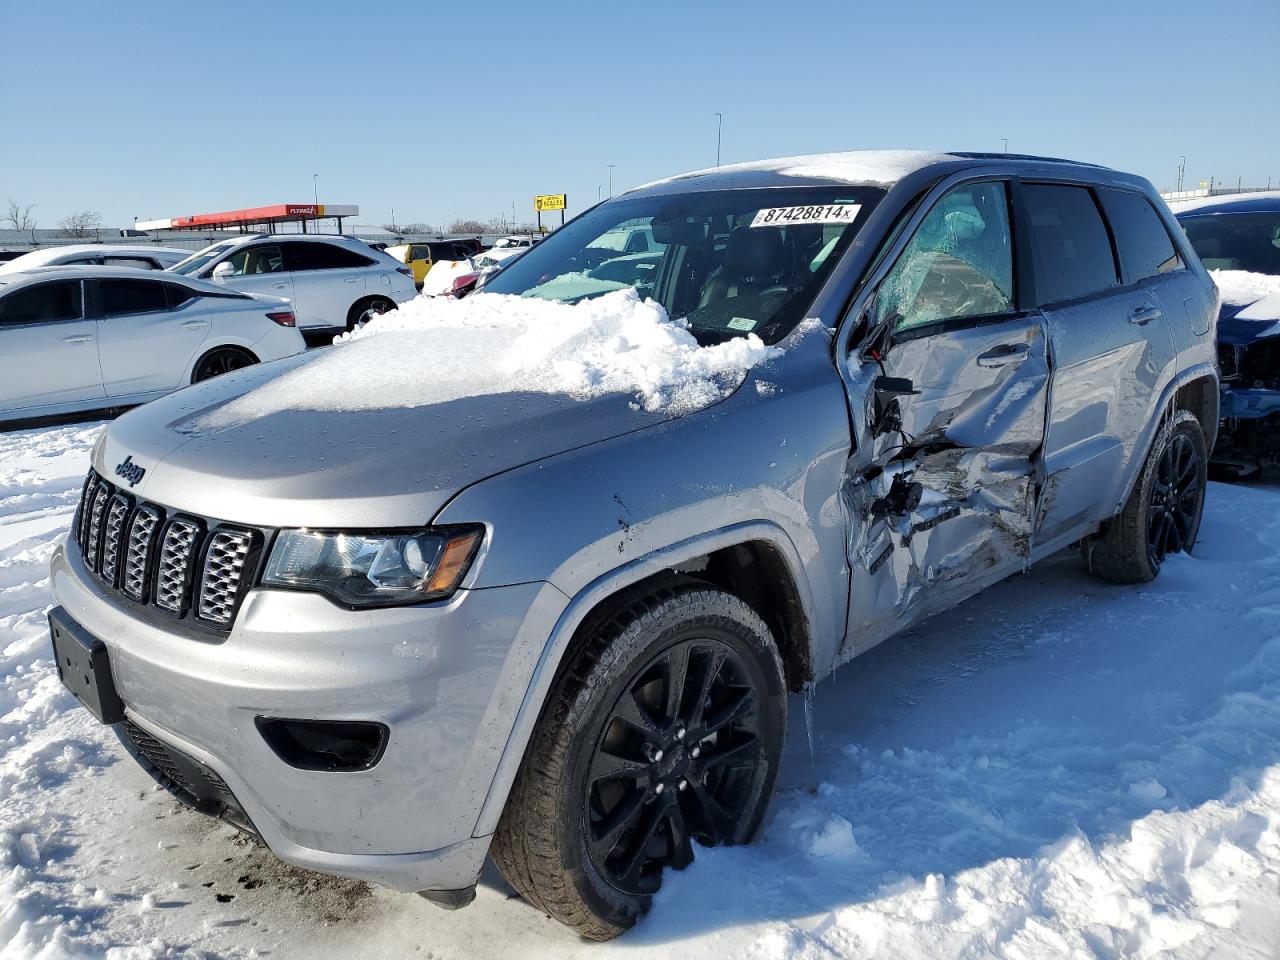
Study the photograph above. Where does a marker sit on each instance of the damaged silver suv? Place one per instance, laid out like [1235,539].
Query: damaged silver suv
[559,628]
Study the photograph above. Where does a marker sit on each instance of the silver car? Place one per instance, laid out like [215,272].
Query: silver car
[335,282]
[75,339]
[561,632]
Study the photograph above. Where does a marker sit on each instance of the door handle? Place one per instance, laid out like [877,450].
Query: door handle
[79,338]
[279,286]
[195,324]
[353,280]
[1145,314]
[1005,353]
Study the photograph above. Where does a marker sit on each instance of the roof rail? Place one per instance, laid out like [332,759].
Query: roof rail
[977,155]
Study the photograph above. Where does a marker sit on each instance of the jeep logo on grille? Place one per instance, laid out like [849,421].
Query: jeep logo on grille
[130,471]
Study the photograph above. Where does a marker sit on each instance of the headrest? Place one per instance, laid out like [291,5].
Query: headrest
[758,252]
[680,230]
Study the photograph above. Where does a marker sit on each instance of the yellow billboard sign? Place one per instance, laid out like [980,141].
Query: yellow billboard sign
[549,201]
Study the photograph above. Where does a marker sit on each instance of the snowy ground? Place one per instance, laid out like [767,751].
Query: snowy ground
[1056,769]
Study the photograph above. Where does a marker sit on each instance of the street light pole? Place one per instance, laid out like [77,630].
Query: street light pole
[1182,169]
[719,124]
[315,190]
[610,166]
[1006,144]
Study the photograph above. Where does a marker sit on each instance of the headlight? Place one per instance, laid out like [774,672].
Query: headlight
[374,569]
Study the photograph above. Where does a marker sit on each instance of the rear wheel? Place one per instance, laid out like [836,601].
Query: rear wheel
[362,311]
[1162,514]
[219,361]
[664,729]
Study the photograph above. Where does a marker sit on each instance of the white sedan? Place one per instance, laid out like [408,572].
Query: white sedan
[76,339]
[150,257]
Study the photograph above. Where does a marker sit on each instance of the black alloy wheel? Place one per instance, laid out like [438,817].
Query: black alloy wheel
[1177,495]
[675,762]
[217,362]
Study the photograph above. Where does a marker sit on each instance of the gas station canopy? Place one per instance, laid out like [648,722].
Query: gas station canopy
[269,216]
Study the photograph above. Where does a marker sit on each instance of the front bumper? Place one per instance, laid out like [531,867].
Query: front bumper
[447,679]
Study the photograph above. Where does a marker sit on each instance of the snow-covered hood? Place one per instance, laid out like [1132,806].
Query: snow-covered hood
[1250,305]
[384,428]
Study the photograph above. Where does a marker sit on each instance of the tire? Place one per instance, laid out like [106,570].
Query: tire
[221,360]
[576,814]
[1162,515]
[362,311]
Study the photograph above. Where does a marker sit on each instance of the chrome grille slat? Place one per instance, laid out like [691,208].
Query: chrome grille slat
[82,511]
[94,540]
[223,574]
[113,536]
[175,563]
[142,534]
[187,566]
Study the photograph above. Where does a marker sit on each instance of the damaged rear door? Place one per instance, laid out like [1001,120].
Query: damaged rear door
[951,390]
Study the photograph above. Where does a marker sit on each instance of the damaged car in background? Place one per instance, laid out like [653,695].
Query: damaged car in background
[1238,240]
[393,611]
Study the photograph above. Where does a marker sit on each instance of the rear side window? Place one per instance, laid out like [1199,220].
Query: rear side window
[43,303]
[1072,250]
[322,256]
[178,295]
[120,297]
[420,253]
[138,263]
[1143,242]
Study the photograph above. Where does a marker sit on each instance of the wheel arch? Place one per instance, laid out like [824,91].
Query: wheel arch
[223,345]
[754,561]
[1194,390]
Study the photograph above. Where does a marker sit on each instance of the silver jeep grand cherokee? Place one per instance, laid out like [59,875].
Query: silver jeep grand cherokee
[561,631]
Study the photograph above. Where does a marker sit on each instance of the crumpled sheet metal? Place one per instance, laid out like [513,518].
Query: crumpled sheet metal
[975,434]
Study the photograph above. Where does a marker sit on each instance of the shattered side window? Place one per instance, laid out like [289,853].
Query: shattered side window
[958,264]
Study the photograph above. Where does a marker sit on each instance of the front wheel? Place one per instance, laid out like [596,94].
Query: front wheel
[1162,514]
[665,728]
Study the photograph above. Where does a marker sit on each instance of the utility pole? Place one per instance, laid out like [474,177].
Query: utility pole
[315,190]
[1182,169]
[719,124]
[610,166]
[1006,144]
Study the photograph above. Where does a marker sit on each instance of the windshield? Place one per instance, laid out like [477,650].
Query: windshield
[727,263]
[201,258]
[1236,241]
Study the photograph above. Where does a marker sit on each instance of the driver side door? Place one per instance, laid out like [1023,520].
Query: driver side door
[941,489]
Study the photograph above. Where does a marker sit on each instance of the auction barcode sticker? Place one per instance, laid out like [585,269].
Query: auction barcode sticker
[822,213]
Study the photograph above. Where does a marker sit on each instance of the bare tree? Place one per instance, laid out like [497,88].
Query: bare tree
[20,215]
[409,229]
[81,225]
[469,226]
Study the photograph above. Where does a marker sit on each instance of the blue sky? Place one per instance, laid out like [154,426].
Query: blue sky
[445,110]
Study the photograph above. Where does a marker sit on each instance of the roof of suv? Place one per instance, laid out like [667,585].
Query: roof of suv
[862,167]
[1264,202]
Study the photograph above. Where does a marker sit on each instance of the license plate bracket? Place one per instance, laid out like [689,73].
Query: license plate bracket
[84,667]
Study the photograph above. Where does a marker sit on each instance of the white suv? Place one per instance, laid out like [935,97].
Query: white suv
[334,282]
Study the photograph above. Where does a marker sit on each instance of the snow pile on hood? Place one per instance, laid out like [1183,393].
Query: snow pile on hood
[433,350]
[1243,286]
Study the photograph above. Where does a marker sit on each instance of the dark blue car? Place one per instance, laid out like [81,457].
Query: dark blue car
[1241,234]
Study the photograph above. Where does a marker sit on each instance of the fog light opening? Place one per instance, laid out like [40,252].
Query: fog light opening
[331,746]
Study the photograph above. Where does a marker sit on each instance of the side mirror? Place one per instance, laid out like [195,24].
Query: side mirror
[222,272]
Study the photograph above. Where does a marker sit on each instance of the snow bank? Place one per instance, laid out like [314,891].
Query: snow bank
[433,350]
[1243,286]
